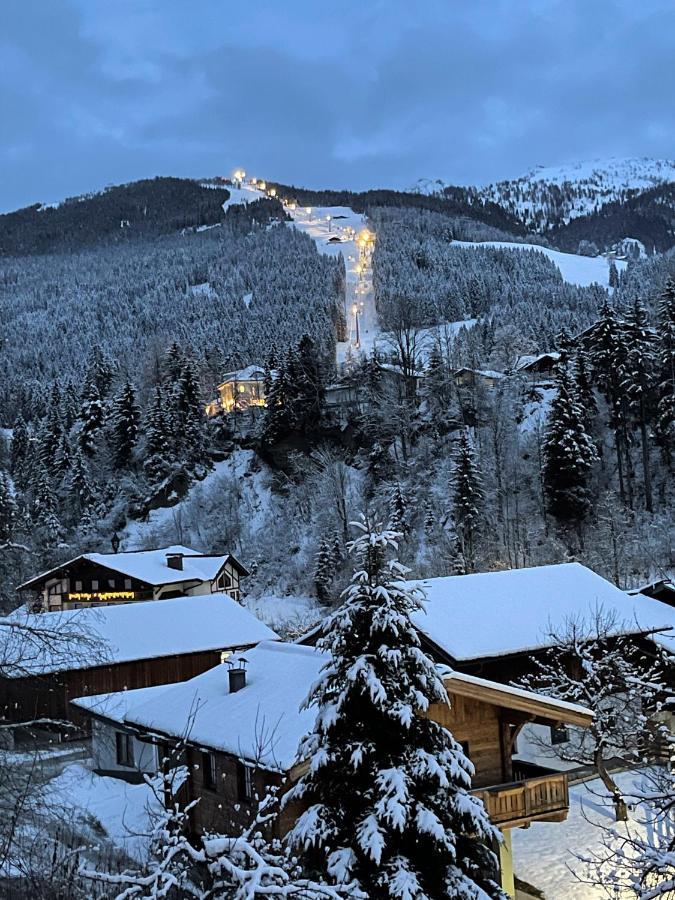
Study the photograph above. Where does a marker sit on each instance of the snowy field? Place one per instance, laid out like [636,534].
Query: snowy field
[580,270]
[544,853]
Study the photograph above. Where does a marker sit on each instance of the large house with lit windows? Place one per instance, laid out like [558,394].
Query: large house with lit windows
[239,390]
[100,579]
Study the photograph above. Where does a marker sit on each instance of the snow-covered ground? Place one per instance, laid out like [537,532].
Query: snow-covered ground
[123,810]
[580,270]
[288,616]
[544,853]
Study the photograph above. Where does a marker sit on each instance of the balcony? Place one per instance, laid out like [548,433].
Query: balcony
[521,802]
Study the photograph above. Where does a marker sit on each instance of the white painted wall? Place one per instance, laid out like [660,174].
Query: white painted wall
[104,752]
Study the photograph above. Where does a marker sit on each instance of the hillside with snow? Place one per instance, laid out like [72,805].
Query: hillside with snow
[554,195]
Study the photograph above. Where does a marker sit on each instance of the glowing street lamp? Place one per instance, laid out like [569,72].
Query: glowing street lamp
[355,310]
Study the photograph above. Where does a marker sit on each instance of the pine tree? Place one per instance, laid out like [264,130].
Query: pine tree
[125,421]
[308,385]
[8,509]
[80,493]
[20,452]
[51,430]
[92,418]
[637,382]
[174,361]
[62,457]
[159,440]
[398,512]
[44,513]
[467,498]
[584,384]
[188,414]
[324,571]
[387,789]
[607,353]
[100,373]
[613,277]
[664,425]
[569,455]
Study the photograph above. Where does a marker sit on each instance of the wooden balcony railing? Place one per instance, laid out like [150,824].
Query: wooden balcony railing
[520,802]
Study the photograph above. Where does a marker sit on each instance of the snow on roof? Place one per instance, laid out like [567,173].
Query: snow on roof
[116,705]
[150,566]
[250,373]
[486,373]
[497,613]
[140,630]
[523,362]
[262,722]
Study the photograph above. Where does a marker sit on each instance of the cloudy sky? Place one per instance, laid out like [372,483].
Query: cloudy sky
[349,93]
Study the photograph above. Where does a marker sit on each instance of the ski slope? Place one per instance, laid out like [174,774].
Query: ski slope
[580,270]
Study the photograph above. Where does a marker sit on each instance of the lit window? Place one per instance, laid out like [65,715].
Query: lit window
[225,655]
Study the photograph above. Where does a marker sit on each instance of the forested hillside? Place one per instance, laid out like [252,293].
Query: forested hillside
[120,214]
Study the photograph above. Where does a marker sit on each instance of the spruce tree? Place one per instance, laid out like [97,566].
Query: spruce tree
[44,511]
[92,418]
[467,498]
[159,440]
[569,455]
[80,492]
[637,382]
[398,511]
[125,420]
[188,414]
[664,425]
[387,791]
[8,509]
[20,452]
[324,571]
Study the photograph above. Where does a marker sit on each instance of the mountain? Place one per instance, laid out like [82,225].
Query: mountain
[550,197]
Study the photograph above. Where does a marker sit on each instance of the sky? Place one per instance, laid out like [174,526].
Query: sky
[325,94]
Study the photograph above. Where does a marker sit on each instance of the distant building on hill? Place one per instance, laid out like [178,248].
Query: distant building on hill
[99,579]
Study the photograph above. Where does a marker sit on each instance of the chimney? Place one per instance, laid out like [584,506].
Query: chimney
[237,675]
[175,561]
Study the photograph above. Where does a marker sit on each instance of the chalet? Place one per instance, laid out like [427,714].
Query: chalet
[538,368]
[239,390]
[471,378]
[115,648]
[242,724]
[348,395]
[661,589]
[98,579]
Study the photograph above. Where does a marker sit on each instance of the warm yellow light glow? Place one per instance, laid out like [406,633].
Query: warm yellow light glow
[101,595]
[273,192]
[262,185]
[308,210]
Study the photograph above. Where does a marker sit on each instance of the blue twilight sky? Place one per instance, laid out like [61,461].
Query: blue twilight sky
[340,93]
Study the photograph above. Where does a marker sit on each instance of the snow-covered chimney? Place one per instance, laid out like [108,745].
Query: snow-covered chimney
[175,561]
[237,675]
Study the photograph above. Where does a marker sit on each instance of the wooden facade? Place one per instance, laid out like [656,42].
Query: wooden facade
[49,696]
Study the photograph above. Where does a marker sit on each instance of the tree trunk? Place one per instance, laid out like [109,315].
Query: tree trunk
[645,458]
[620,808]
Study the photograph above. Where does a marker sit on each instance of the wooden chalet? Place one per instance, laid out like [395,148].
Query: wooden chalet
[244,735]
[538,368]
[98,579]
[471,378]
[114,648]
[239,390]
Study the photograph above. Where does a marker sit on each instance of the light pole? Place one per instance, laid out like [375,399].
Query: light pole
[355,310]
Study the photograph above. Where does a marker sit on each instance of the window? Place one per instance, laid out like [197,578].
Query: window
[244,782]
[127,584]
[225,655]
[78,587]
[125,749]
[94,584]
[559,734]
[209,771]
[111,582]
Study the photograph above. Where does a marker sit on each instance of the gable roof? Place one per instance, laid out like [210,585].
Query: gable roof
[133,631]
[528,360]
[263,722]
[150,566]
[499,613]
[250,373]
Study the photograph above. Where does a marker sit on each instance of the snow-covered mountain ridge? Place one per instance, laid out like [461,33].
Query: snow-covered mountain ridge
[553,195]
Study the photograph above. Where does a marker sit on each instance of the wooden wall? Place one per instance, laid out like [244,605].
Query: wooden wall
[49,696]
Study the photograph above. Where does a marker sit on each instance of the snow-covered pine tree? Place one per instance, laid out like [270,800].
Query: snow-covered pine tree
[664,425]
[62,456]
[638,376]
[8,508]
[585,392]
[174,361]
[387,788]
[44,512]
[308,385]
[126,416]
[398,511]
[324,571]
[80,493]
[92,417]
[19,454]
[159,440]
[569,455]
[467,498]
[188,413]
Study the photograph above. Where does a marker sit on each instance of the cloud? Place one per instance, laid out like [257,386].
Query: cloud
[352,94]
